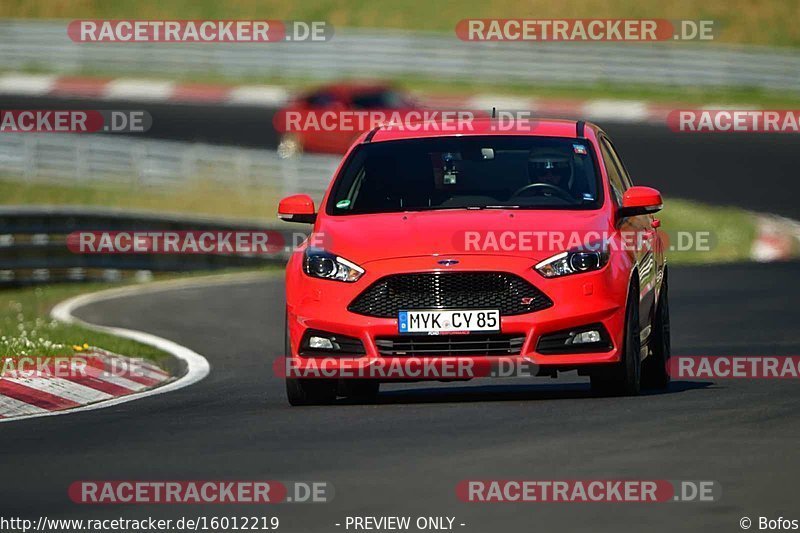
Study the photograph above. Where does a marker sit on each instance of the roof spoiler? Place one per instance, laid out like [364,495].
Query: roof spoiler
[371,134]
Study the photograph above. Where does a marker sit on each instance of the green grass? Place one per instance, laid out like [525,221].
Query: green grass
[730,231]
[768,22]
[203,198]
[27,330]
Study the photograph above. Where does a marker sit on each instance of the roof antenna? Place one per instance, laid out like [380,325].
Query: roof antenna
[494,112]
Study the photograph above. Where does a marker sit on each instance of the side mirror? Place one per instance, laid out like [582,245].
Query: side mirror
[297,208]
[640,201]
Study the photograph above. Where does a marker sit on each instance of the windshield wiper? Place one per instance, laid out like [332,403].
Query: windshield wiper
[467,207]
[478,207]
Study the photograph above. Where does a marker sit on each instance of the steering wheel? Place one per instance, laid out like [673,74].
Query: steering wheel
[537,189]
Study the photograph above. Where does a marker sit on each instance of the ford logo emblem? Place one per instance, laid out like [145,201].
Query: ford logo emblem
[448,262]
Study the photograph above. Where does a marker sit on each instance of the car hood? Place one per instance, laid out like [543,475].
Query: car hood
[531,234]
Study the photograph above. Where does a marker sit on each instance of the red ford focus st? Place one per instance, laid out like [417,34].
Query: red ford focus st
[337,99]
[498,247]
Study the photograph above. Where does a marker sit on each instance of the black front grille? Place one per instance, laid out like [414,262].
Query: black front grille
[444,345]
[509,293]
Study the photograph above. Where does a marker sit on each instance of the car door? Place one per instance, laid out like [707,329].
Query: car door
[641,231]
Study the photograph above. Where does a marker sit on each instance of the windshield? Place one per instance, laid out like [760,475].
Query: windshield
[523,172]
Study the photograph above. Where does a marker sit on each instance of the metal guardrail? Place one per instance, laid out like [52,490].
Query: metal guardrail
[357,52]
[33,245]
[83,159]
[33,239]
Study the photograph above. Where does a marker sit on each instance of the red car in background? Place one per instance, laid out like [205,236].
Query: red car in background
[394,276]
[338,98]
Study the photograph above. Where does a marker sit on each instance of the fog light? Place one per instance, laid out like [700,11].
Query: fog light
[317,343]
[585,337]
[320,343]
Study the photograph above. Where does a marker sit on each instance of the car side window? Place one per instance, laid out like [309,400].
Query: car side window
[320,99]
[614,173]
[626,178]
[373,100]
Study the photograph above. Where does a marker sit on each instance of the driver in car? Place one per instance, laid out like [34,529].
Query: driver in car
[553,170]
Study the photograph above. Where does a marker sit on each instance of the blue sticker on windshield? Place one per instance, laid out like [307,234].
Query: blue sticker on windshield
[579,149]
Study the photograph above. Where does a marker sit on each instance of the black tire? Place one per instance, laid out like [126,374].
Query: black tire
[310,391]
[655,369]
[360,390]
[301,391]
[624,378]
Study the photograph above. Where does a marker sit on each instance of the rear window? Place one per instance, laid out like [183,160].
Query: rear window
[523,172]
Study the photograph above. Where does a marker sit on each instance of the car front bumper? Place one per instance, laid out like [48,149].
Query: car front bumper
[578,300]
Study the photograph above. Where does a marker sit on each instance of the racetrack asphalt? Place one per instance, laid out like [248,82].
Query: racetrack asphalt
[405,455]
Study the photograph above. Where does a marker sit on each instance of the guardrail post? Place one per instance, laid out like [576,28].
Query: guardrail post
[29,155]
[289,174]
[138,162]
[80,159]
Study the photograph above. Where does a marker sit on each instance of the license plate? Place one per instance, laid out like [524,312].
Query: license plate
[449,321]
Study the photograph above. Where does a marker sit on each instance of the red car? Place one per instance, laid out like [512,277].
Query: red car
[338,98]
[402,263]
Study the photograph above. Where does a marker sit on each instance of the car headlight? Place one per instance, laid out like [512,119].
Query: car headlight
[325,265]
[572,262]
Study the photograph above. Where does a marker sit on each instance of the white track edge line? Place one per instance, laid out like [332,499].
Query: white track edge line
[197,366]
